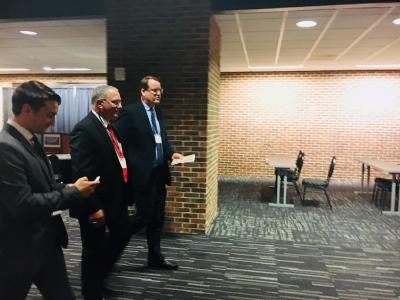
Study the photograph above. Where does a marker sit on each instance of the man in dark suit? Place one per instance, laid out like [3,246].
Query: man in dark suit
[95,151]
[31,234]
[141,128]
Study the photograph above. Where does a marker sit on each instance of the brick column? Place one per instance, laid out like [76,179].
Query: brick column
[178,41]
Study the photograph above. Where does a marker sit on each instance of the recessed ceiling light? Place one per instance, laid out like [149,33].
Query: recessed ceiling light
[306,24]
[28,32]
[66,69]
[396,21]
[14,69]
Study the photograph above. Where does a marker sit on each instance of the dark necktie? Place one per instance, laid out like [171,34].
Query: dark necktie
[159,148]
[62,236]
[38,148]
[119,151]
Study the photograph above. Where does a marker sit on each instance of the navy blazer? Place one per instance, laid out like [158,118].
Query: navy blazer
[134,131]
[28,196]
[92,155]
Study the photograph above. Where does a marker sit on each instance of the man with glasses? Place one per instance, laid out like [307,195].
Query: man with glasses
[141,129]
[96,152]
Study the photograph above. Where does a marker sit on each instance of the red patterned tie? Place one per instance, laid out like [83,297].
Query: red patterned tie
[118,149]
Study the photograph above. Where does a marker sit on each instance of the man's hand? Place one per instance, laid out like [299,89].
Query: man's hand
[85,187]
[177,156]
[97,219]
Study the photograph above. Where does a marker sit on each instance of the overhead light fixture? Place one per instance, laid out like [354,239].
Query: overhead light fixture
[306,24]
[14,69]
[28,32]
[379,66]
[276,67]
[66,69]
[396,21]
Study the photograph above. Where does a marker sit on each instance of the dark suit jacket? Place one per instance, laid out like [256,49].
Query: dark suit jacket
[28,196]
[134,131]
[92,155]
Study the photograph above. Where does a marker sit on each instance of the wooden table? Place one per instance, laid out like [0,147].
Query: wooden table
[281,162]
[388,168]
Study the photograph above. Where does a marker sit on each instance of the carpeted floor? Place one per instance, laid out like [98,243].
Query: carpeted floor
[254,251]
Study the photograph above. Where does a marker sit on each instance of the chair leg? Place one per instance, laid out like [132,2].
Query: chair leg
[382,200]
[378,196]
[327,198]
[374,194]
[304,193]
[297,190]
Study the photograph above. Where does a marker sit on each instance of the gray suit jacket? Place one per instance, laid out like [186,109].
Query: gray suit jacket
[28,196]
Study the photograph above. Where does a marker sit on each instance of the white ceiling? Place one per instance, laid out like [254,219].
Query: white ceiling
[261,40]
[344,37]
[59,44]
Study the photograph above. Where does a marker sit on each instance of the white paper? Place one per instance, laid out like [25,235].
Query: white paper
[185,159]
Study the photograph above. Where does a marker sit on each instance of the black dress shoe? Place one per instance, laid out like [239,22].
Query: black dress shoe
[162,264]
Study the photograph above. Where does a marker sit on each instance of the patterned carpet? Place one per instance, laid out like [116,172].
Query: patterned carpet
[258,252]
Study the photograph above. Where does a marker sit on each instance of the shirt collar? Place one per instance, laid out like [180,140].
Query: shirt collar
[102,120]
[147,107]
[25,132]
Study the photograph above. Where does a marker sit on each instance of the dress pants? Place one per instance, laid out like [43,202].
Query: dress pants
[100,250]
[150,206]
[50,278]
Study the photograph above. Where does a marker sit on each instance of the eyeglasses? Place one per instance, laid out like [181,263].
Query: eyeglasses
[156,91]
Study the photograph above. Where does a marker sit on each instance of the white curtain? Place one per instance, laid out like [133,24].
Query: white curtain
[75,105]
[7,112]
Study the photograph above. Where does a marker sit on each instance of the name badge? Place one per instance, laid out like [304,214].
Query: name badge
[157,137]
[122,162]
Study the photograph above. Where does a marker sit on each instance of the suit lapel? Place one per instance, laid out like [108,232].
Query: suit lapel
[99,128]
[44,164]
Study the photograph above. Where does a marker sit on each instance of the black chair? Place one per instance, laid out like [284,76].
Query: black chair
[293,176]
[319,184]
[382,187]
[56,166]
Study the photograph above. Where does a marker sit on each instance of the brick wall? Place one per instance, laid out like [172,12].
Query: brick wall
[212,124]
[349,114]
[171,39]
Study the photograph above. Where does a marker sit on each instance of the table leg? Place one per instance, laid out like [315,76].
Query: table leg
[393,199]
[393,195]
[398,187]
[364,187]
[284,189]
[362,177]
[278,189]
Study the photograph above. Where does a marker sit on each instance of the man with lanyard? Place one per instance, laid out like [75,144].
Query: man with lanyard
[141,129]
[96,152]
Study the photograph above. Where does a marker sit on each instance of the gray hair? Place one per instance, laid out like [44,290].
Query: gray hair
[101,92]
